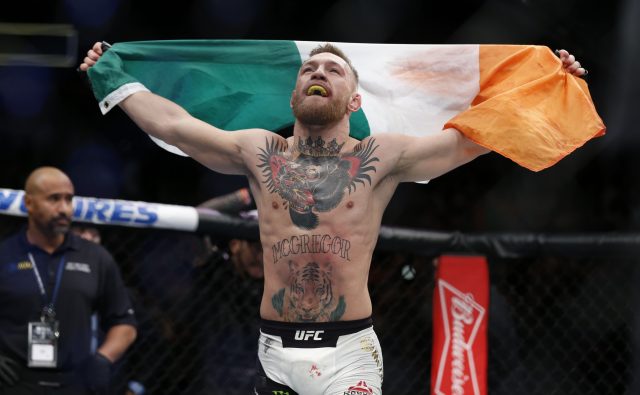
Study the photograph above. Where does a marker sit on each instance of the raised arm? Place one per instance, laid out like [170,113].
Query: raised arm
[425,158]
[215,148]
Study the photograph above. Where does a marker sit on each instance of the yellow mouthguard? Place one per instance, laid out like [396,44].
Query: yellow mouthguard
[315,89]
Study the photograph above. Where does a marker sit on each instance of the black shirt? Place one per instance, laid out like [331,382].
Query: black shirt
[90,282]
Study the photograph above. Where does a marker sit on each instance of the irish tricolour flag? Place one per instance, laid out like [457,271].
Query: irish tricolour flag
[514,99]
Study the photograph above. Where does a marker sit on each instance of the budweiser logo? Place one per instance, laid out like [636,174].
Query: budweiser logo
[461,319]
[359,389]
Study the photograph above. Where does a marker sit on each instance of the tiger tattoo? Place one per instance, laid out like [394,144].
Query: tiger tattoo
[309,297]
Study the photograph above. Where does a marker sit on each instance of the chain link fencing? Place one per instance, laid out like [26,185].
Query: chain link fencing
[557,325]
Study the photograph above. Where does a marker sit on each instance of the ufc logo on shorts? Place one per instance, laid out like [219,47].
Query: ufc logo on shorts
[306,335]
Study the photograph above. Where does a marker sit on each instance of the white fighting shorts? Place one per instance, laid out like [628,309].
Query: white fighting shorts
[329,358]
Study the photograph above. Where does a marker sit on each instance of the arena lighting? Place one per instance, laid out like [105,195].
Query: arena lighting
[38,44]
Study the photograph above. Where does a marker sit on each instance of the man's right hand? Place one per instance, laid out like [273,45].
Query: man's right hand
[92,57]
[8,375]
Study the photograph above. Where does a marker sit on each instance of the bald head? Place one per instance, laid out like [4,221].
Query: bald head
[42,178]
[48,198]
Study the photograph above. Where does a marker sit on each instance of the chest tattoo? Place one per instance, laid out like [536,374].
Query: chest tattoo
[318,179]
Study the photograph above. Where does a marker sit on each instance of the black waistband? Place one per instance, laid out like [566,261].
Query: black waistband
[313,334]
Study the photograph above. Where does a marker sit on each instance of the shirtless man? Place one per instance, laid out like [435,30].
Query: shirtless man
[320,196]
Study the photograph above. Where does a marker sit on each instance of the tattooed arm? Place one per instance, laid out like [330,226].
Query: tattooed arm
[425,158]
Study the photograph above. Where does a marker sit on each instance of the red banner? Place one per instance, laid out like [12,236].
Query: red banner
[460,309]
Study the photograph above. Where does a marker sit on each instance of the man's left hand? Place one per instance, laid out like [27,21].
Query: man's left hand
[570,64]
[97,371]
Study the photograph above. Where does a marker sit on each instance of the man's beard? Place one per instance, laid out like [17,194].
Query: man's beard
[60,229]
[324,114]
[53,228]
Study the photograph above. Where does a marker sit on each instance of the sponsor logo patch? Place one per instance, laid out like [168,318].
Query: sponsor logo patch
[77,267]
[267,344]
[367,345]
[309,335]
[359,389]
[462,318]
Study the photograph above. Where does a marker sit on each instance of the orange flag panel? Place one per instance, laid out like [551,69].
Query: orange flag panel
[528,109]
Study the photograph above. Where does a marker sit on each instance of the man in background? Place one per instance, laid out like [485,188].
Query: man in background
[51,282]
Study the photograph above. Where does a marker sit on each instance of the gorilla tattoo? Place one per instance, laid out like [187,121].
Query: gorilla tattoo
[317,180]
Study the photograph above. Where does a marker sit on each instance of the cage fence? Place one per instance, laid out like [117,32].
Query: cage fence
[557,324]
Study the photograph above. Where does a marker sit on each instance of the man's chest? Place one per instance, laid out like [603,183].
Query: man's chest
[39,278]
[309,186]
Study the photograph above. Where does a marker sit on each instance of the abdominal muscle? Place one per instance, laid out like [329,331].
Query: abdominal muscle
[315,277]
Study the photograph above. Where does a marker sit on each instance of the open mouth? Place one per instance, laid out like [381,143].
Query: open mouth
[317,90]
